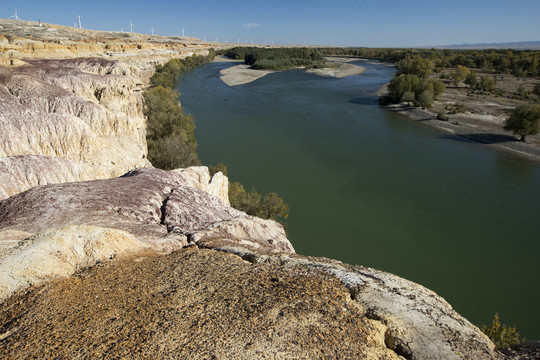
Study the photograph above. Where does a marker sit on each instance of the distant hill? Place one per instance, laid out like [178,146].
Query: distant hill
[521,45]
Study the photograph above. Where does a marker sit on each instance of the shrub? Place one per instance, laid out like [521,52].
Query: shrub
[441,115]
[487,83]
[269,206]
[170,133]
[470,79]
[501,335]
[221,167]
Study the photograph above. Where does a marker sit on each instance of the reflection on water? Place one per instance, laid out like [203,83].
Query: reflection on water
[369,187]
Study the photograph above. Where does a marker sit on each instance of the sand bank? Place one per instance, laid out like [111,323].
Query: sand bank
[341,71]
[241,74]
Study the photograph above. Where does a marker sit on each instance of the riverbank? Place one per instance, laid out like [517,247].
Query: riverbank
[243,74]
[481,121]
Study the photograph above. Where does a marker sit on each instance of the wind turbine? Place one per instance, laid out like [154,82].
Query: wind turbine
[131,26]
[15,16]
[183,32]
[152,31]
[80,26]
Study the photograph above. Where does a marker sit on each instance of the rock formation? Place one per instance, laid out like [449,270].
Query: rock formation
[57,252]
[56,110]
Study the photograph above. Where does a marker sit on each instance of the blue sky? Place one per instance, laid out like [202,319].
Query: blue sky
[371,23]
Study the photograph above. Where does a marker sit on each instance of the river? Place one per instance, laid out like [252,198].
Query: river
[371,187]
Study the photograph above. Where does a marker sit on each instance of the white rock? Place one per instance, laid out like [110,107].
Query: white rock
[58,252]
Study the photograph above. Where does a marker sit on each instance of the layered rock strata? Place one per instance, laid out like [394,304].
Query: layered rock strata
[159,208]
[84,115]
[23,40]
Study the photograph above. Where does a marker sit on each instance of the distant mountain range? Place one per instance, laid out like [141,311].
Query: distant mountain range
[521,45]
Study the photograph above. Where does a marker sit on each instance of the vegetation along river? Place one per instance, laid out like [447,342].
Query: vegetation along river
[371,187]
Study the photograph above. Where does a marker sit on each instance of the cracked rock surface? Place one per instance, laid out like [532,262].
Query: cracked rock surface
[157,206]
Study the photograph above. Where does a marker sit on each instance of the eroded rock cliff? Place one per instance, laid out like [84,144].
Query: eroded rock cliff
[75,94]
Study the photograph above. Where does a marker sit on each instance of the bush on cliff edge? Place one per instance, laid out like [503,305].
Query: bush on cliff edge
[266,206]
[169,132]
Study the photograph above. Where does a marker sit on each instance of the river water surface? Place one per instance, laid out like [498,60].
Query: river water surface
[371,187]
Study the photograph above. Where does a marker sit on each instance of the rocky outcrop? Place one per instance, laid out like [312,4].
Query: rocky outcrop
[57,252]
[209,304]
[190,304]
[418,324]
[54,109]
[22,172]
[157,206]
[23,40]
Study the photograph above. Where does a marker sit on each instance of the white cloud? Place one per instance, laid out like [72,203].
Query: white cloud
[250,25]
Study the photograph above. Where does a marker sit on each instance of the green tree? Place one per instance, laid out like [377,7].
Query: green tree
[408,97]
[425,99]
[170,132]
[524,120]
[487,83]
[221,167]
[415,66]
[501,335]
[470,79]
[460,74]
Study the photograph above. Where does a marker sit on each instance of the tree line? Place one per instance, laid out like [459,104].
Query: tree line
[170,133]
[277,58]
[522,63]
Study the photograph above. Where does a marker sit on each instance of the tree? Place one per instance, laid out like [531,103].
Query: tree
[408,97]
[470,80]
[425,99]
[460,74]
[524,120]
[487,83]
[170,132]
[415,66]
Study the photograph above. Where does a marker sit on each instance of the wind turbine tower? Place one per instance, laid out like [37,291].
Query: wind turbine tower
[152,31]
[131,26]
[80,26]
[183,32]
[16,17]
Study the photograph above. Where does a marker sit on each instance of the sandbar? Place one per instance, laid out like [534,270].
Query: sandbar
[241,74]
[339,72]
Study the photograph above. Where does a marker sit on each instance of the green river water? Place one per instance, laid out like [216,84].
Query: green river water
[371,187]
